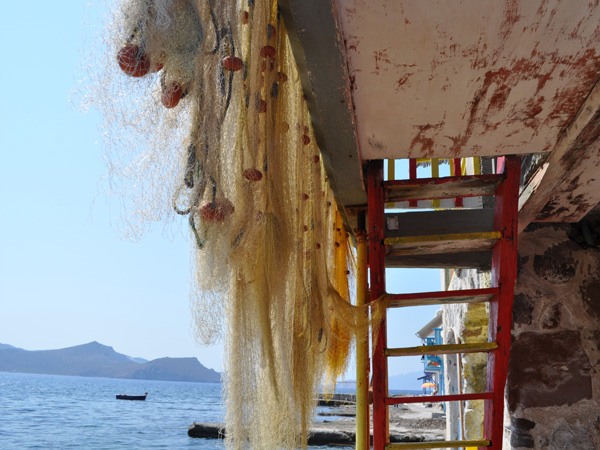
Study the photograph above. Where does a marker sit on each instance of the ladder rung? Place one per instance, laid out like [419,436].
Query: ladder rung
[438,398]
[439,444]
[442,349]
[443,297]
[439,222]
[442,243]
[445,187]
[463,260]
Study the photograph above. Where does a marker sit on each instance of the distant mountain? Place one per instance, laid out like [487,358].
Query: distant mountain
[407,381]
[138,360]
[97,360]
[176,369]
[3,346]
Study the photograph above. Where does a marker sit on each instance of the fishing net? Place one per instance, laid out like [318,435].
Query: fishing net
[206,121]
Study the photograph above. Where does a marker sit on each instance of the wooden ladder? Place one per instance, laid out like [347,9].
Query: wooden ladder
[426,238]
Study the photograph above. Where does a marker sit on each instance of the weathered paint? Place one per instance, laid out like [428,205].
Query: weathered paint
[567,185]
[445,187]
[376,230]
[439,444]
[464,78]
[442,349]
[443,297]
[504,274]
[319,53]
[433,245]
[438,398]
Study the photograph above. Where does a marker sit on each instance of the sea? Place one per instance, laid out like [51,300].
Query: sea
[67,412]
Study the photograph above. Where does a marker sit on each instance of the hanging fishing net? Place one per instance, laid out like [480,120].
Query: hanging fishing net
[206,124]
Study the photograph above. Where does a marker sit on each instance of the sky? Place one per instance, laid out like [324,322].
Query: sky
[66,276]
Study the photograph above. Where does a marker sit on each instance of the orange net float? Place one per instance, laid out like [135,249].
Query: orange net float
[156,67]
[281,77]
[268,50]
[133,61]
[232,63]
[171,94]
[253,174]
[216,211]
[261,105]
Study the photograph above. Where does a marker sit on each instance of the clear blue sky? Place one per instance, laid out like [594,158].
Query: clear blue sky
[66,277]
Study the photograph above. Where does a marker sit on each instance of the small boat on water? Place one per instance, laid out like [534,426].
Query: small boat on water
[131,397]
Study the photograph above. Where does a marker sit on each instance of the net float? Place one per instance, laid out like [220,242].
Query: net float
[232,63]
[156,67]
[268,50]
[253,174]
[281,77]
[245,17]
[316,158]
[261,106]
[216,211]
[171,95]
[133,61]
[305,139]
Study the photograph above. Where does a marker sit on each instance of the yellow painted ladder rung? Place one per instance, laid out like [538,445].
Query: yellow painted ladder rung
[442,349]
[439,444]
[485,235]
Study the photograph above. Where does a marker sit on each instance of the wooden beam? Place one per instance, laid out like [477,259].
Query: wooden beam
[439,444]
[443,297]
[319,51]
[449,243]
[463,260]
[445,187]
[567,187]
[438,398]
[439,222]
[444,349]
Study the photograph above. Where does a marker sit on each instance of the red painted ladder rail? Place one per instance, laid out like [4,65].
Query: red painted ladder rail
[502,242]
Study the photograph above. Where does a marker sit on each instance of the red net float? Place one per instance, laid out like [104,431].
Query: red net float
[171,94]
[216,211]
[253,174]
[133,61]
[232,63]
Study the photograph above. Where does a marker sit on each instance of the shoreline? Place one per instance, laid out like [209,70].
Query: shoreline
[415,422]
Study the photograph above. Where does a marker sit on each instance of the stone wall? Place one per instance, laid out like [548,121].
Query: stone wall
[553,388]
[469,324]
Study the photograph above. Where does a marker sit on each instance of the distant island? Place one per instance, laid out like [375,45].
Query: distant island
[97,360]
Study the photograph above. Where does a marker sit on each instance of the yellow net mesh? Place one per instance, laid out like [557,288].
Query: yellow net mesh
[206,120]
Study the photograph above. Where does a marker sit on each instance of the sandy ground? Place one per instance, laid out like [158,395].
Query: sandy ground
[414,419]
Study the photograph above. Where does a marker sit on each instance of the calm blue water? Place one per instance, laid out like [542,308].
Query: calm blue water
[55,412]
